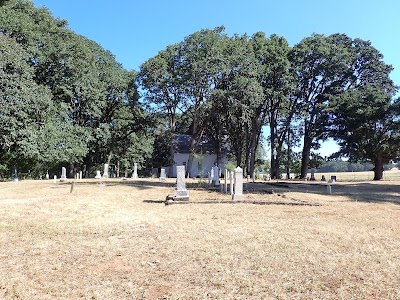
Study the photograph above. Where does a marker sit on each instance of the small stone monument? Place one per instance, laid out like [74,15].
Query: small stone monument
[80,175]
[63,174]
[105,173]
[181,191]
[55,179]
[47,175]
[216,176]
[14,175]
[329,186]
[162,175]
[226,181]
[134,174]
[238,194]
[231,182]
[98,174]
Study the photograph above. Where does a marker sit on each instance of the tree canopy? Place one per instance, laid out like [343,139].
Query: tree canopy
[66,101]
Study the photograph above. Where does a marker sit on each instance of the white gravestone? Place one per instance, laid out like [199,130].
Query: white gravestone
[98,174]
[134,174]
[63,174]
[181,191]
[216,176]
[162,175]
[47,175]
[226,181]
[80,175]
[231,182]
[212,174]
[238,194]
[105,173]
[55,178]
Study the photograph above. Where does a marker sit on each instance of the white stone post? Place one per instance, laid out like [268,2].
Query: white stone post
[134,174]
[105,173]
[226,181]
[63,174]
[231,182]
[238,195]
[216,176]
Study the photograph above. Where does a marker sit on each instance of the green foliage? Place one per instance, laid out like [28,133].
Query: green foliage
[367,126]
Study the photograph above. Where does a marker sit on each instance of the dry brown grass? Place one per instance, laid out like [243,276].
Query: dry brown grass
[120,242]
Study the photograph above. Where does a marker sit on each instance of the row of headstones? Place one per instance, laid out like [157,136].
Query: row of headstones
[98,174]
[235,181]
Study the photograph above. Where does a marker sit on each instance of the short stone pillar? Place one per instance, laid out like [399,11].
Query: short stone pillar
[47,175]
[182,193]
[226,181]
[231,182]
[134,174]
[105,172]
[238,194]
[63,174]
[209,178]
[162,175]
[329,186]
[55,179]
[98,174]
[80,175]
[216,176]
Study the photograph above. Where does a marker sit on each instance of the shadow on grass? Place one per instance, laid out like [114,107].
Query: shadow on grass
[363,192]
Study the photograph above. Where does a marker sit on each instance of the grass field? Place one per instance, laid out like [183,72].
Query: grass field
[118,240]
[392,175]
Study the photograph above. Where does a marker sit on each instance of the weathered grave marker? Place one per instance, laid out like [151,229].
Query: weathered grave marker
[105,172]
[162,175]
[181,191]
[134,174]
[63,174]
[98,174]
[238,194]
[216,176]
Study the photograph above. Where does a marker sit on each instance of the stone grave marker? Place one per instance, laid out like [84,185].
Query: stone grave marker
[162,175]
[105,172]
[226,181]
[47,175]
[63,174]
[80,175]
[182,193]
[238,194]
[98,174]
[134,174]
[55,179]
[216,176]
[231,182]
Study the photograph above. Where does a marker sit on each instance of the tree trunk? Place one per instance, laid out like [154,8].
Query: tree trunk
[305,157]
[378,169]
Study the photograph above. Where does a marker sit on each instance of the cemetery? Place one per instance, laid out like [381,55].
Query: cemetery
[198,173]
[117,238]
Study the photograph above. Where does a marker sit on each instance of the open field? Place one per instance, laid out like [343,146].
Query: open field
[119,241]
[391,175]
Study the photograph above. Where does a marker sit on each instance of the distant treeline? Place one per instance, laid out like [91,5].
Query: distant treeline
[345,166]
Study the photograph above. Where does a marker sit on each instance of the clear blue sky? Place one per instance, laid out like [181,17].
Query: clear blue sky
[135,31]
